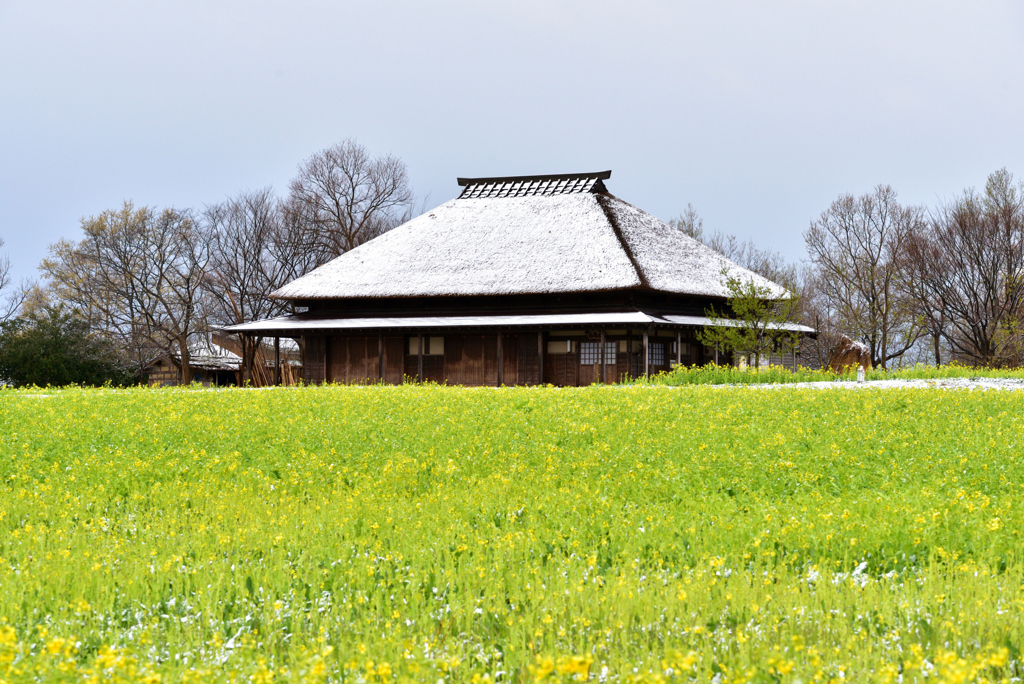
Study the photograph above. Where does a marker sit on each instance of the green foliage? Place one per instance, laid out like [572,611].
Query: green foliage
[54,347]
[712,374]
[422,533]
[754,322]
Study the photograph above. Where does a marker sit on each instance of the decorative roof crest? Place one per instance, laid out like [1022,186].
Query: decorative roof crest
[532,186]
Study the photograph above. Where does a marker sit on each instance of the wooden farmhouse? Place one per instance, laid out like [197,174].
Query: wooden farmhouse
[216,361]
[210,364]
[518,281]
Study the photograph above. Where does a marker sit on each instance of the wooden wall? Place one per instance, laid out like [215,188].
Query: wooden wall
[527,361]
[314,365]
[394,354]
[164,374]
[564,370]
[470,360]
[357,360]
[352,360]
[433,367]
[614,371]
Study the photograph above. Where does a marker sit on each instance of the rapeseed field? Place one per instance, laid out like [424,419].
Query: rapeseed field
[432,534]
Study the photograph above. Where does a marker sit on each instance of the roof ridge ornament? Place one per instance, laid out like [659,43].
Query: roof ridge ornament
[531,186]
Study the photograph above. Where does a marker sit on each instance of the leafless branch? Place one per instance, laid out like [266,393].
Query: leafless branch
[967,272]
[856,246]
[343,197]
[136,276]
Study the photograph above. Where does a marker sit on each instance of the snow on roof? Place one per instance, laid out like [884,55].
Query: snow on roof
[211,356]
[672,261]
[298,323]
[581,240]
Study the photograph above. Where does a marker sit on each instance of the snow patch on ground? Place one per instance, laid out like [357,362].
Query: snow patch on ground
[944,383]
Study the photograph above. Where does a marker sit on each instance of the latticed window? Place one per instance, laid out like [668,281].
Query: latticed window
[657,353]
[590,352]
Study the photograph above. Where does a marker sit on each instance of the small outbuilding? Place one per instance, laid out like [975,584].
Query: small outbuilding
[210,364]
[518,281]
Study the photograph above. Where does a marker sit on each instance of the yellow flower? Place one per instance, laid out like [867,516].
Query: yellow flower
[578,666]
[541,668]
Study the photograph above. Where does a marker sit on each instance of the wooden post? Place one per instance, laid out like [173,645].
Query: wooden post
[277,360]
[629,352]
[540,357]
[600,359]
[679,347]
[419,359]
[246,355]
[380,357]
[647,356]
[501,362]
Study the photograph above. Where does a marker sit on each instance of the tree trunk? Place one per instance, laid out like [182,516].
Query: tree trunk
[186,368]
[935,340]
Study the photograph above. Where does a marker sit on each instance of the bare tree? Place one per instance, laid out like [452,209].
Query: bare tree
[5,270]
[967,269]
[343,197]
[765,262]
[920,259]
[255,250]
[14,297]
[749,302]
[689,222]
[856,246]
[136,277]
[817,311]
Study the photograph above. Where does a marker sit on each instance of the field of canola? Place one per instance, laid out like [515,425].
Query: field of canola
[430,534]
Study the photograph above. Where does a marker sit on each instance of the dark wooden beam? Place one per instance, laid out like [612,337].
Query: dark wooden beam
[679,347]
[647,355]
[380,357]
[419,359]
[540,357]
[501,362]
[277,360]
[600,367]
[629,351]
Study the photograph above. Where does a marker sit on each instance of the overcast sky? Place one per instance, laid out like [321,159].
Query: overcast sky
[760,114]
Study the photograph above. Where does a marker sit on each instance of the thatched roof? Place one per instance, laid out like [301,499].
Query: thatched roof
[525,235]
[204,354]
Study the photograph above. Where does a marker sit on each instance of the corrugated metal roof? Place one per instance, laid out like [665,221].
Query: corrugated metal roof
[301,323]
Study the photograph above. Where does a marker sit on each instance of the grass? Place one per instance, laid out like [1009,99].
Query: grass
[530,534]
[712,374]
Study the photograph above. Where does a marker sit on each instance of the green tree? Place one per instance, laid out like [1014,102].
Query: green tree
[137,278]
[54,347]
[754,321]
